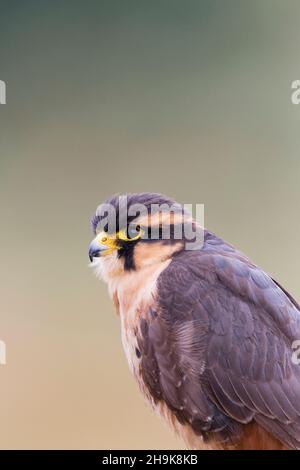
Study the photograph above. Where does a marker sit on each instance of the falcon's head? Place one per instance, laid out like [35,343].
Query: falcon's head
[136,230]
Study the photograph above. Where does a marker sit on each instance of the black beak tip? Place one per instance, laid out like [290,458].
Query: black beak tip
[94,254]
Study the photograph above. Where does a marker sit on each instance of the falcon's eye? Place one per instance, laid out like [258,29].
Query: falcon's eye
[133,232]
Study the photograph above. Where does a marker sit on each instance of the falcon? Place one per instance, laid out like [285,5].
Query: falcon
[207,334]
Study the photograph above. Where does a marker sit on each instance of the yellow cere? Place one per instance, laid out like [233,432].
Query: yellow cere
[108,241]
[111,240]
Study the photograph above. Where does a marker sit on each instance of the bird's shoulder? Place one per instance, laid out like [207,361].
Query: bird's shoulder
[221,284]
[217,345]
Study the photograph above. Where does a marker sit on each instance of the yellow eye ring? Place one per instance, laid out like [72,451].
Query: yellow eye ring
[122,235]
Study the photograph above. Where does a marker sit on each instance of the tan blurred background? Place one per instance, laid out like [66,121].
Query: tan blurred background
[187,98]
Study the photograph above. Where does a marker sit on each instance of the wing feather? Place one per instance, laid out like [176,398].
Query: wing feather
[221,345]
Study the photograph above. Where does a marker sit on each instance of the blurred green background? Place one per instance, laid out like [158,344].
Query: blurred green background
[191,99]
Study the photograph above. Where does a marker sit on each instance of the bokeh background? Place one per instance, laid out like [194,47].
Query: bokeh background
[191,99]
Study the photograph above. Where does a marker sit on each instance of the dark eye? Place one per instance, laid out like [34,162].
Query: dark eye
[133,231]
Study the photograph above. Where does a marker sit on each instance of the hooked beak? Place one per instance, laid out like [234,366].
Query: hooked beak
[95,250]
[101,245]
